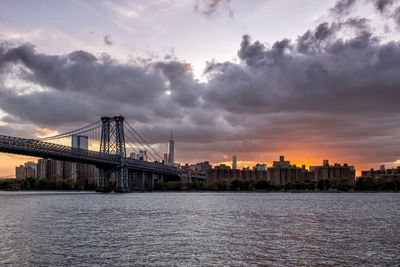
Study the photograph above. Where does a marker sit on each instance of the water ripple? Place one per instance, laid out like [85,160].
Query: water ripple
[199,229]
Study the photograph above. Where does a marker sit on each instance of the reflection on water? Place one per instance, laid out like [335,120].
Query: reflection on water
[199,229]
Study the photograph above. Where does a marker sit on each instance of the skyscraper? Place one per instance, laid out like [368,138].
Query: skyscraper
[234,163]
[80,172]
[142,155]
[171,149]
[80,141]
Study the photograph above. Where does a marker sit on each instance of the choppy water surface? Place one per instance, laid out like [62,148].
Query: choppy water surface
[199,229]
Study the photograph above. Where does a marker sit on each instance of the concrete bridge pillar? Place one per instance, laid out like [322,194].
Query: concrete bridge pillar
[104,178]
[122,178]
[142,181]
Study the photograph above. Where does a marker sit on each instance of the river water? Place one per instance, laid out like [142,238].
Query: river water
[199,229]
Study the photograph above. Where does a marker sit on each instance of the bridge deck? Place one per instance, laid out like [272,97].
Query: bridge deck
[35,148]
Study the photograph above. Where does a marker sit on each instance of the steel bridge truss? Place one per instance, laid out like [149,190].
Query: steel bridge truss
[111,157]
[113,142]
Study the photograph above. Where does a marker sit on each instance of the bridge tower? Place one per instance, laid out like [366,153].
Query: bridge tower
[113,142]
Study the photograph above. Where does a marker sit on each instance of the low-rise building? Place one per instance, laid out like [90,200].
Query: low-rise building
[56,169]
[282,172]
[224,172]
[387,175]
[260,167]
[338,174]
[187,175]
[23,172]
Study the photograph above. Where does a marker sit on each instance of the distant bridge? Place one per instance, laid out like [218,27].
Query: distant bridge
[111,157]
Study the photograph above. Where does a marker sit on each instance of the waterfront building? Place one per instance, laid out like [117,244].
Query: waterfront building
[336,173]
[281,163]
[22,172]
[70,170]
[282,172]
[224,172]
[51,169]
[42,168]
[188,175]
[201,166]
[260,167]
[388,175]
[194,172]
[33,165]
[222,167]
[78,172]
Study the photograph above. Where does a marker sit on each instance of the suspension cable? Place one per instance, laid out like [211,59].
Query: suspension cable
[144,140]
[144,147]
[150,154]
[74,132]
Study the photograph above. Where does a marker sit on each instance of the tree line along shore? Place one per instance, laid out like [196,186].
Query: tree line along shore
[361,184]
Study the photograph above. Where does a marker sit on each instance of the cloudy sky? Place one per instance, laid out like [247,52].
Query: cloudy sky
[307,79]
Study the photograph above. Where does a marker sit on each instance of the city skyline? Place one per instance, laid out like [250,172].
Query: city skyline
[253,80]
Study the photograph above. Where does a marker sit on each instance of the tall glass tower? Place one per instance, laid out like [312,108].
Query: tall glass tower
[171,151]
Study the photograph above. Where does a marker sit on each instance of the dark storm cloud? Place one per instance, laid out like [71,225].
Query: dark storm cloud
[107,40]
[84,73]
[343,7]
[313,41]
[382,5]
[210,7]
[285,77]
[257,54]
[396,16]
[387,8]
[354,79]
[180,78]
[82,86]
[334,88]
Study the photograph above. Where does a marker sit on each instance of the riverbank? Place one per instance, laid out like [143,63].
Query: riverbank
[331,186]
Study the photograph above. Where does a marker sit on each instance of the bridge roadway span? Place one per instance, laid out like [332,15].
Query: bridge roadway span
[35,148]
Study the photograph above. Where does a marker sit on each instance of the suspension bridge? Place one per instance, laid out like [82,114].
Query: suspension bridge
[111,137]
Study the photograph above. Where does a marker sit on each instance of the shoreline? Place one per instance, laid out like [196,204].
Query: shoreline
[196,191]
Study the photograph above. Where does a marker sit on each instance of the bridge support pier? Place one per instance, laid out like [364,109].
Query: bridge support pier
[104,178]
[142,181]
[122,179]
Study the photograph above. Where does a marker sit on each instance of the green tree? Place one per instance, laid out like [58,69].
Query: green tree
[6,184]
[365,184]
[220,185]
[320,184]
[174,186]
[41,184]
[236,185]
[262,185]
[158,185]
[287,186]
[91,185]
[29,183]
[327,184]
